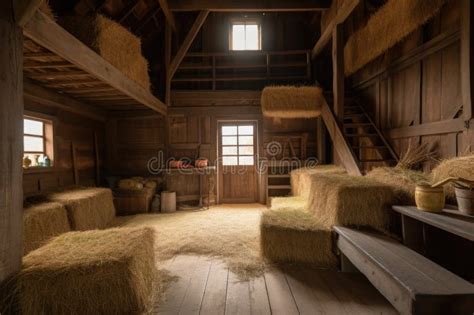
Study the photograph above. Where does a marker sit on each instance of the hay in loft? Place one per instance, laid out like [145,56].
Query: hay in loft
[113,42]
[394,21]
[296,203]
[301,178]
[289,236]
[46,9]
[88,209]
[403,182]
[350,201]
[42,222]
[292,101]
[93,272]
[456,167]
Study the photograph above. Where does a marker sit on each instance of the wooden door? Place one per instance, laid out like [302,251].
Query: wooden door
[237,162]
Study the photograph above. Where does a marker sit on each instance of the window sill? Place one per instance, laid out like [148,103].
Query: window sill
[38,169]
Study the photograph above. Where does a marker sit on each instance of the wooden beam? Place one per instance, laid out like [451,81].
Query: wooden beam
[342,14]
[250,5]
[428,129]
[467,66]
[11,142]
[168,44]
[25,9]
[51,36]
[338,70]
[201,18]
[347,156]
[168,14]
[50,98]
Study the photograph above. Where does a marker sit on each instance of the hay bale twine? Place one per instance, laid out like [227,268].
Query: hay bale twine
[94,272]
[42,222]
[455,167]
[295,236]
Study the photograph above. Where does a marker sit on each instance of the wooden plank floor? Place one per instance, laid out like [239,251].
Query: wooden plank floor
[206,286]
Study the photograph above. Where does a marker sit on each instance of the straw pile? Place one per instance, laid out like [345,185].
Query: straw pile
[93,272]
[292,102]
[88,209]
[389,25]
[456,167]
[350,201]
[41,223]
[46,9]
[403,182]
[301,178]
[289,236]
[279,203]
[113,42]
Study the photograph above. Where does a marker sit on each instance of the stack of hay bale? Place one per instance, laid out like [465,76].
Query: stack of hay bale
[113,42]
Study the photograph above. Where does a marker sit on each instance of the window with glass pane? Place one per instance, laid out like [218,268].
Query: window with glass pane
[245,35]
[37,138]
[238,145]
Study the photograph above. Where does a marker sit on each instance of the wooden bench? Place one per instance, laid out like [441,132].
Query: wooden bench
[411,282]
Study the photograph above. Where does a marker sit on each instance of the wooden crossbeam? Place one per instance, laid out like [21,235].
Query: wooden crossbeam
[343,13]
[57,75]
[46,65]
[168,14]
[25,9]
[48,34]
[249,5]
[201,18]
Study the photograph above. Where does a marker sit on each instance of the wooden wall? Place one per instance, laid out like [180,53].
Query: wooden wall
[70,130]
[414,92]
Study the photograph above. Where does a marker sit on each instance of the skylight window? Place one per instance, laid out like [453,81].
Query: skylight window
[245,35]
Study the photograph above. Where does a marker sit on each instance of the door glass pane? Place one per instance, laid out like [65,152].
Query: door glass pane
[246,150]
[245,160]
[229,150]
[246,140]
[238,37]
[229,160]
[33,144]
[229,140]
[246,130]
[229,130]
[251,37]
[33,127]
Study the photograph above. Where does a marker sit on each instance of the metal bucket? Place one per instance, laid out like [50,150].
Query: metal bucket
[465,199]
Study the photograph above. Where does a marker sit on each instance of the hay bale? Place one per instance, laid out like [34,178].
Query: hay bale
[403,182]
[296,203]
[301,178]
[130,184]
[88,209]
[289,236]
[42,222]
[455,167]
[350,201]
[395,20]
[113,42]
[93,272]
[292,101]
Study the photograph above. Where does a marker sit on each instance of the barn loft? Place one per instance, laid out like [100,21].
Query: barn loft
[236,157]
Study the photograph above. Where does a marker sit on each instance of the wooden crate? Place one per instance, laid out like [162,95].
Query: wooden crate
[133,201]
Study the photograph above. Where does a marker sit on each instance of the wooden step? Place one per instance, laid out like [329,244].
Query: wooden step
[352,125]
[411,282]
[369,147]
[278,175]
[362,135]
[279,187]
[377,160]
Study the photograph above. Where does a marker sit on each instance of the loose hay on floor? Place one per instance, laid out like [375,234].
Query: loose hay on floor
[350,201]
[462,166]
[88,208]
[93,272]
[292,101]
[295,236]
[403,182]
[301,178]
[42,222]
[296,203]
[229,232]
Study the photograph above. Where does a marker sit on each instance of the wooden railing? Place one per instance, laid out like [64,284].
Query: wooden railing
[269,67]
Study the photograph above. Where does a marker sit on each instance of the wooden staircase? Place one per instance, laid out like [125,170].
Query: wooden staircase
[364,138]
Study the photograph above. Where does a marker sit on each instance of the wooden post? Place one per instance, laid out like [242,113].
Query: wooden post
[338,70]
[11,141]
[466,61]
[168,37]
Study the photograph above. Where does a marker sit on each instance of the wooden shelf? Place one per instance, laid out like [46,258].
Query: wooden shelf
[77,67]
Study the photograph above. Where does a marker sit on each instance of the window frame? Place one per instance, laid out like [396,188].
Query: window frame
[237,145]
[49,148]
[245,21]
